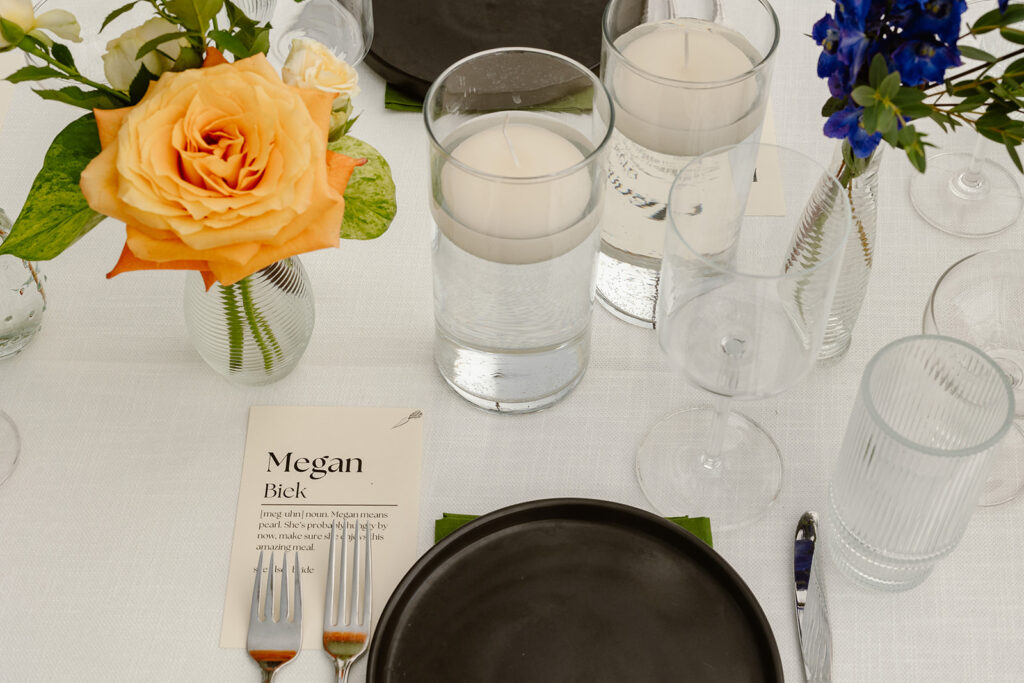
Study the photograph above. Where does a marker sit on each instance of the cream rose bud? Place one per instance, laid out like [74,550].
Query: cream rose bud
[311,65]
[119,63]
[57,21]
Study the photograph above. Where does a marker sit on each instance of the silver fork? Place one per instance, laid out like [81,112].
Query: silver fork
[345,641]
[273,643]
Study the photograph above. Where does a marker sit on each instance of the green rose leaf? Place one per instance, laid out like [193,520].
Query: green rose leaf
[56,214]
[370,204]
[118,12]
[86,99]
[229,42]
[194,15]
[34,73]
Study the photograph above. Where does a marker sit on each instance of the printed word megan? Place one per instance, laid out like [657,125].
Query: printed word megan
[318,468]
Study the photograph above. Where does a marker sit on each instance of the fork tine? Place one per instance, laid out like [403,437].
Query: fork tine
[329,619]
[297,615]
[268,601]
[353,608]
[283,614]
[367,582]
[254,610]
[343,589]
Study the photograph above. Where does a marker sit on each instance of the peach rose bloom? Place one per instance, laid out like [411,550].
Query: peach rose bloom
[223,169]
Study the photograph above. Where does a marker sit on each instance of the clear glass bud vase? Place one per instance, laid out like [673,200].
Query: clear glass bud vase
[861,184]
[22,298]
[255,331]
[258,10]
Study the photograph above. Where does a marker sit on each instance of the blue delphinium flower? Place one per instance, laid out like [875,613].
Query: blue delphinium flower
[826,34]
[852,13]
[846,123]
[924,61]
[938,17]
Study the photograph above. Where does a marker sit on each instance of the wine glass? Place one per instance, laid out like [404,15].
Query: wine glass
[344,26]
[969,195]
[980,300]
[742,311]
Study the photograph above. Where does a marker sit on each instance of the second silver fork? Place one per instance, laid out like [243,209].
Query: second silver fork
[347,621]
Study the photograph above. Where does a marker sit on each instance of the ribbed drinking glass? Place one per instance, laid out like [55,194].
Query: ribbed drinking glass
[914,460]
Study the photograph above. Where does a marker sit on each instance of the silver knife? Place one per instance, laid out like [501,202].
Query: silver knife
[812,625]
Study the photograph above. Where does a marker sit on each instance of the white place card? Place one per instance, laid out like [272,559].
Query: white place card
[303,468]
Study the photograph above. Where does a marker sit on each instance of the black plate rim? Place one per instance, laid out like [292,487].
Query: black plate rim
[468,533]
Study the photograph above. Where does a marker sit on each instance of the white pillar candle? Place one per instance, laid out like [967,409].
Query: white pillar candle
[499,218]
[667,108]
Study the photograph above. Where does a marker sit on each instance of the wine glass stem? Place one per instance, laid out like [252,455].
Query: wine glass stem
[711,459]
[971,181]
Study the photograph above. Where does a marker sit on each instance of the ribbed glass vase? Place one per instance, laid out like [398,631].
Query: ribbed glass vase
[255,331]
[257,10]
[861,183]
[22,298]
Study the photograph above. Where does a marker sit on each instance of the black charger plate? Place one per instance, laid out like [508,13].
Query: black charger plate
[415,40]
[572,590]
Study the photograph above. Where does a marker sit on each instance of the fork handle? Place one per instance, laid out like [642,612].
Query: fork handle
[341,668]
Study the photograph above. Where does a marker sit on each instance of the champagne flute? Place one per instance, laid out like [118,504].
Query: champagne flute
[741,312]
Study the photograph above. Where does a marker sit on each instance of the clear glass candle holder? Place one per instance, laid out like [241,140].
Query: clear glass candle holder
[685,78]
[517,139]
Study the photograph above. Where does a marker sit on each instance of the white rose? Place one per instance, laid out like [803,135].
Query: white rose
[311,65]
[57,21]
[119,63]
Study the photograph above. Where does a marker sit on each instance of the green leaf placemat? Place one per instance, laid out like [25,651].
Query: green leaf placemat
[449,522]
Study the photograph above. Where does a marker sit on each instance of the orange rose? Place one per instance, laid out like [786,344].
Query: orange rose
[223,169]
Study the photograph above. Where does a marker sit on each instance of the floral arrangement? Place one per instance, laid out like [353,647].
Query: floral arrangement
[217,165]
[886,62]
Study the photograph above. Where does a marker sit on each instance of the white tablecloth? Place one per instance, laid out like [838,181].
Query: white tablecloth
[115,528]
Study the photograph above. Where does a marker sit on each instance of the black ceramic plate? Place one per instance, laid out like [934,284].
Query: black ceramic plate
[572,590]
[415,40]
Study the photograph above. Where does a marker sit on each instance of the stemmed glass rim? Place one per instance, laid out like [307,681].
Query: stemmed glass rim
[930,308]
[600,92]
[765,60]
[888,431]
[797,270]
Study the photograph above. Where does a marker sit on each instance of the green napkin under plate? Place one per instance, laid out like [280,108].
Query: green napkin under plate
[698,526]
[399,101]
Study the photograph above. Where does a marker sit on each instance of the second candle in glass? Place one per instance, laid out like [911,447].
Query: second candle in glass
[517,140]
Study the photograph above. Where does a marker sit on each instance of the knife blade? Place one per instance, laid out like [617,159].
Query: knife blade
[812,623]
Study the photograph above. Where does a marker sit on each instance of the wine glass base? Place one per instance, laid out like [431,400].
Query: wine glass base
[962,210]
[1006,479]
[10,446]
[677,480]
